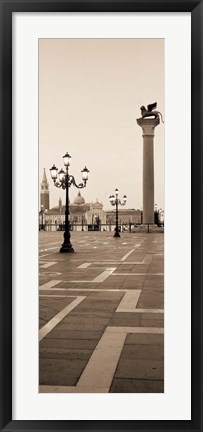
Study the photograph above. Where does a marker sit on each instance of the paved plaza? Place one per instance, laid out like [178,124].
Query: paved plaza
[101,313]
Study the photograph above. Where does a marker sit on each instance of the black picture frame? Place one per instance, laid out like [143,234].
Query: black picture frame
[7,7]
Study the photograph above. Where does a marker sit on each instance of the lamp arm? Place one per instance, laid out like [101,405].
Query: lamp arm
[58,184]
[71,180]
[121,203]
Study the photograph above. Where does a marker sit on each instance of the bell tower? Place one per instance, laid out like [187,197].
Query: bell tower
[44,192]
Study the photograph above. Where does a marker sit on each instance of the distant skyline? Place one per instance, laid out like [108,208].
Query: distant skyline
[90,93]
[62,197]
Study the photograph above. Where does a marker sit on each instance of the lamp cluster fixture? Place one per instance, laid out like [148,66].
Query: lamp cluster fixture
[62,179]
[114,198]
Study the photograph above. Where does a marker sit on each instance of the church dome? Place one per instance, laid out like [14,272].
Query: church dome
[79,200]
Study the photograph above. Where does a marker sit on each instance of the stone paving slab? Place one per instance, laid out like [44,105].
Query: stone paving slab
[62,332]
[140,369]
[125,319]
[86,344]
[142,351]
[145,339]
[65,354]
[152,323]
[60,371]
[136,386]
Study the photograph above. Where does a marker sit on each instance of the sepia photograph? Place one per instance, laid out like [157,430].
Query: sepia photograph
[101,215]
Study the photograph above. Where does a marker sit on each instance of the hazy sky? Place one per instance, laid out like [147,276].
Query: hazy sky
[90,93]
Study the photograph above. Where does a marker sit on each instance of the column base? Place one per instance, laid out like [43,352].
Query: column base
[66,248]
[116,234]
[149,226]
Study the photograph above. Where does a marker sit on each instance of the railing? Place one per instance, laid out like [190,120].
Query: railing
[128,228]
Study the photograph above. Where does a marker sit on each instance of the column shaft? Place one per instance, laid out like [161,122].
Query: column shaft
[148,180]
[148,126]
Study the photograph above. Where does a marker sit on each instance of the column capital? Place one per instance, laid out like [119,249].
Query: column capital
[148,125]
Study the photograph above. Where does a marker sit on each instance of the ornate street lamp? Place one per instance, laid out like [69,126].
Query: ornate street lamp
[115,201]
[64,180]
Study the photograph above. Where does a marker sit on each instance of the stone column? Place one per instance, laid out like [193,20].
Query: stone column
[148,126]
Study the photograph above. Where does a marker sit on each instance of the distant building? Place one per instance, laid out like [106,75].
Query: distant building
[96,214]
[55,217]
[44,193]
[125,216]
[78,210]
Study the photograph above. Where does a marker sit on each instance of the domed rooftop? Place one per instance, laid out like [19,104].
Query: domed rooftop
[79,200]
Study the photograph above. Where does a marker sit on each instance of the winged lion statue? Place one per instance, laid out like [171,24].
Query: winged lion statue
[150,111]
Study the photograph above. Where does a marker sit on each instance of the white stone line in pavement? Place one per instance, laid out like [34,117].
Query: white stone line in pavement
[84,265]
[49,264]
[127,255]
[98,279]
[48,249]
[42,256]
[107,262]
[59,316]
[47,259]
[129,301]
[120,262]
[49,284]
[49,244]
[99,371]
[147,260]
[152,311]
[50,273]
[138,274]
[80,281]
[55,295]
[104,275]
[102,364]
[98,261]
[93,289]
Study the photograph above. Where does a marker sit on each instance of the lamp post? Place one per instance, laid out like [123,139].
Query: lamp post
[141,215]
[64,180]
[115,201]
[156,219]
[42,207]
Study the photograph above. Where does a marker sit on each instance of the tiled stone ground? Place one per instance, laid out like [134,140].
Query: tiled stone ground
[69,352]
